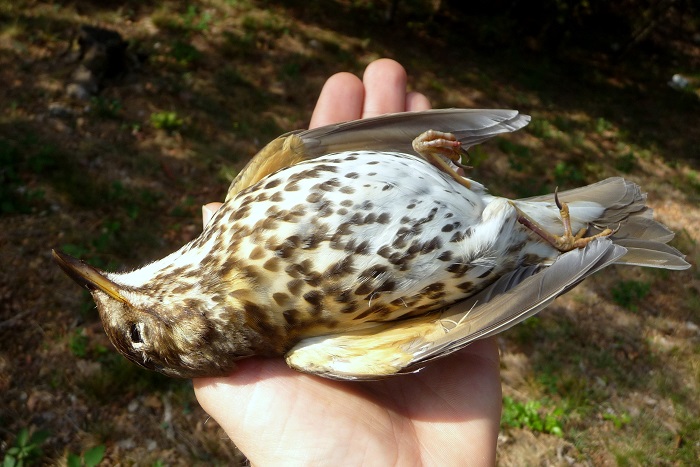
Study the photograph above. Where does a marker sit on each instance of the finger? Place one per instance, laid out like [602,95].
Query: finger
[208,211]
[340,100]
[416,101]
[385,88]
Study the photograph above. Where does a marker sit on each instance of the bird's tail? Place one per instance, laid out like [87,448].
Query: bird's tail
[620,205]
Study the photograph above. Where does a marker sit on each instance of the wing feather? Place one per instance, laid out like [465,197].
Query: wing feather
[389,132]
[395,132]
[514,298]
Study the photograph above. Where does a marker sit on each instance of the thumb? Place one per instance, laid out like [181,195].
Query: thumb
[208,211]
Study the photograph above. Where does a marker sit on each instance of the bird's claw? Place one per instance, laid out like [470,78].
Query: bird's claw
[567,241]
[436,147]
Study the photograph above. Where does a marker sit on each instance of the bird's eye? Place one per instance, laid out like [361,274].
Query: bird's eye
[135,334]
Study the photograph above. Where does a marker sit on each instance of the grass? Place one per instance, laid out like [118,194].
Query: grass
[78,343]
[629,294]
[120,180]
[618,420]
[168,121]
[530,415]
[117,376]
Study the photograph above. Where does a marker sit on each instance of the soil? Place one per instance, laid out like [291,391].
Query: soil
[118,177]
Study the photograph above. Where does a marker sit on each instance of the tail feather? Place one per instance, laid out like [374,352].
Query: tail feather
[641,226]
[614,193]
[639,241]
[626,213]
[651,254]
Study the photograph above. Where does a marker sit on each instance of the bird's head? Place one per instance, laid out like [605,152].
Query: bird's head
[176,338]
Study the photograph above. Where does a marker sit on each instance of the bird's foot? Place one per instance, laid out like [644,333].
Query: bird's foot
[437,148]
[568,241]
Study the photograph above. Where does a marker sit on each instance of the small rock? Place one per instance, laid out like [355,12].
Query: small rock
[58,110]
[88,368]
[152,402]
[102,56]
[78,91]
[679,82]
[39,399]
[133,405]
[127,444]
[650,401]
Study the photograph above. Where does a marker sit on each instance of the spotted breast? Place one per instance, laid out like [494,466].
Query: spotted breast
[360,236]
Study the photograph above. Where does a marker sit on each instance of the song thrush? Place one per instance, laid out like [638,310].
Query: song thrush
[356,251]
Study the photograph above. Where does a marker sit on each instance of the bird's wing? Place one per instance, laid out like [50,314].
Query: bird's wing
[514,298]
[396,132]
[385,349]
[390,132]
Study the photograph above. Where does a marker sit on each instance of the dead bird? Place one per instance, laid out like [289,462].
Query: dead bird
[357,251]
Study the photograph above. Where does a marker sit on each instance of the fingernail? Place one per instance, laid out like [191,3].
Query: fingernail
[207,214]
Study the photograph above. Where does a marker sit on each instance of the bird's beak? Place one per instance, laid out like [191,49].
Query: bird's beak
[86,276]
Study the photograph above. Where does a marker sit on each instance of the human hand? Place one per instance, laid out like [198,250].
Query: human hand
[447,414]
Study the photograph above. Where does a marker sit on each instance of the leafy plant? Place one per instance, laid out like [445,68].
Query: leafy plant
[541,128]
[89,458]
[108,235]
[519,415]
[26,449]
[77,251]
[602,125]
[475,157]
[168,121]
[619,420]
[183,208]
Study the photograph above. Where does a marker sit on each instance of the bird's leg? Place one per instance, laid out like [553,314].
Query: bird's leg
[567,241]
[436,146]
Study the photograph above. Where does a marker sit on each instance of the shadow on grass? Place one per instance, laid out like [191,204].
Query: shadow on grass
[115,186]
